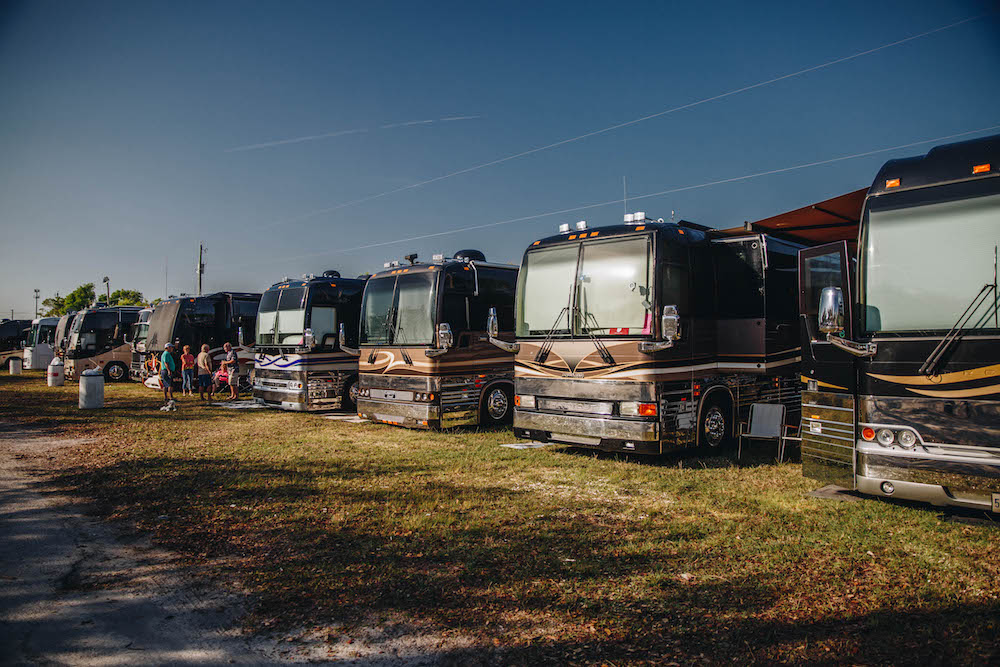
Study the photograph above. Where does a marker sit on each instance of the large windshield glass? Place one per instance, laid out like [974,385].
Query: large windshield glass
[925,264]
[281,316]
[399,310]
[543,292]
[613,294]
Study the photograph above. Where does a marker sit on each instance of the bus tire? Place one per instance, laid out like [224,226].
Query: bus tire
[116,372]
[497,406]
[349,399]
[715,427]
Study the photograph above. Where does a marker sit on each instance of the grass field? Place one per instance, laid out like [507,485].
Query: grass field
[545,555]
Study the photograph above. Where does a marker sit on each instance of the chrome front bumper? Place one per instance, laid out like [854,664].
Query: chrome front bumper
[938,479]
[411,414]
[605,433]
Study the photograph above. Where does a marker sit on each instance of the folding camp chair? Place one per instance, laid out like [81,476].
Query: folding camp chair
[767,422]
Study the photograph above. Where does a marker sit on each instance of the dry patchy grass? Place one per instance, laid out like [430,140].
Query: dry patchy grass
[545,555]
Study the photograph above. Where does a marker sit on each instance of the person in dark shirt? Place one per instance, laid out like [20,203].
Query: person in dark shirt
[232,365]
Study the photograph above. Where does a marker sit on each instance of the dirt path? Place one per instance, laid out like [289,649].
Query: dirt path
[76,590]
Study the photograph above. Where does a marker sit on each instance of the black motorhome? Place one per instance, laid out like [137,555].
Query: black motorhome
[901,346]
[13,337]
[211,319]
[651,336]
[299,364]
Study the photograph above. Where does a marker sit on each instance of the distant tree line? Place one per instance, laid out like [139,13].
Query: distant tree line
[85,295]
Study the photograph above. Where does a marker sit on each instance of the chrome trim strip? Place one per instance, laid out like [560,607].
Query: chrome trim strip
[827,407]
[619,429]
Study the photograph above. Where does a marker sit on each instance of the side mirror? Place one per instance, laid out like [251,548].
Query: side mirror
[241,339]
[670,323]
[342,339]
[831,310]
[116,332]
[308,340]
[492,323]
[445,337]
[670,331]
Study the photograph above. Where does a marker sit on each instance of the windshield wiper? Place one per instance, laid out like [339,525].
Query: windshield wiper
[386,331]
[543,351]
[402,342]
[956,330]
[602,349]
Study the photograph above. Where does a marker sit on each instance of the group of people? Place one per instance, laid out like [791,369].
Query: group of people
[209,378]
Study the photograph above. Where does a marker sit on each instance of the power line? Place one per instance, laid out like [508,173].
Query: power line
[610,202]
[610,128]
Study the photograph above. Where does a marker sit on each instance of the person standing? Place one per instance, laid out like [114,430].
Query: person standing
[187,371]
[167,368]
[204,363]
[232,366]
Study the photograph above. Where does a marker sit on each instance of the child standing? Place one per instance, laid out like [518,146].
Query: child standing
[187,368]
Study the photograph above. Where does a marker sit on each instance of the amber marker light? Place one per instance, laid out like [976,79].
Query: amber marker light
[892,183]
[868,433]
[647,409]
[981,168]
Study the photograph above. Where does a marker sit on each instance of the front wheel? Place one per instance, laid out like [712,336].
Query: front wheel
[497,407]
[116,371]
[349,401]
[715,429]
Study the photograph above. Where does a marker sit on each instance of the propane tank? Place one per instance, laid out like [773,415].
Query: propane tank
[91,389]
[15,366]
[56,373]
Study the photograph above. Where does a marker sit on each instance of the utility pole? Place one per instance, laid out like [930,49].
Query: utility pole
[37,291]
[201,265]
[107,281]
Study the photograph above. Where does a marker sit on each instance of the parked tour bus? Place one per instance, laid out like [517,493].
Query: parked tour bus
[650,336]
[13,336]
[423,359]
[97,340]
[62,333]
[41,343]
[901,338]
[212,319]
[139,369]
[299,363]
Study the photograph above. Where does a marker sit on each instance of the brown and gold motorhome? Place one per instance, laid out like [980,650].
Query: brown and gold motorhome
[651,336]
[424,361]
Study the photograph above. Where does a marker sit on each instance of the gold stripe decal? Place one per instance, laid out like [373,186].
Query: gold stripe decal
[959,393]
[823,384]
[947,378]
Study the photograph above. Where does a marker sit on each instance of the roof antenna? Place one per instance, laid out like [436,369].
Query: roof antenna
[671,216]
[624,196]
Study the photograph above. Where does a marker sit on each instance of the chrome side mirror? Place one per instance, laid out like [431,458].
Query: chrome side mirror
[670,330]
[240,338]
[492,323]
[342,340]
[831,310]
[445,339]
[308,339]
[670,323]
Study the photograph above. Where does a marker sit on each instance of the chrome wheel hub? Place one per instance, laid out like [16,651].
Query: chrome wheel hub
[353,392]
[715,427]
[496,404]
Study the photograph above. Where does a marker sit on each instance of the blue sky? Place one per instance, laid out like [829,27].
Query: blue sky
[119,120]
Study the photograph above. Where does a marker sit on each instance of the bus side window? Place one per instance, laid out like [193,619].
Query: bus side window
[818,271]
[496,290]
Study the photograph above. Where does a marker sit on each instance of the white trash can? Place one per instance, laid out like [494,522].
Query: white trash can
[91,389]
[15,366]
[56,373]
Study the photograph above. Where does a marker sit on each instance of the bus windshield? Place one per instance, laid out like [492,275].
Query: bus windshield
[281,316]
[399,310]
[904,250]
[593,288]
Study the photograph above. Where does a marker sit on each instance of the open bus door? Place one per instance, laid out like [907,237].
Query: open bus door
[828,372]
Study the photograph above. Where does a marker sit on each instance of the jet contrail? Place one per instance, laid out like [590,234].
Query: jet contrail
[330,135]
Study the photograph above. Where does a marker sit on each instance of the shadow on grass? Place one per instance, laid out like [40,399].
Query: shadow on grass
[340,540]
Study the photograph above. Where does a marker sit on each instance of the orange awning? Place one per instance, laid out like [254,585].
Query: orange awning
[827,221]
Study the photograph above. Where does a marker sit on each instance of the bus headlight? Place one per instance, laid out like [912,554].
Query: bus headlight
[907,439]
[885,437]
[636,409]
[524,401]
[294,384]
